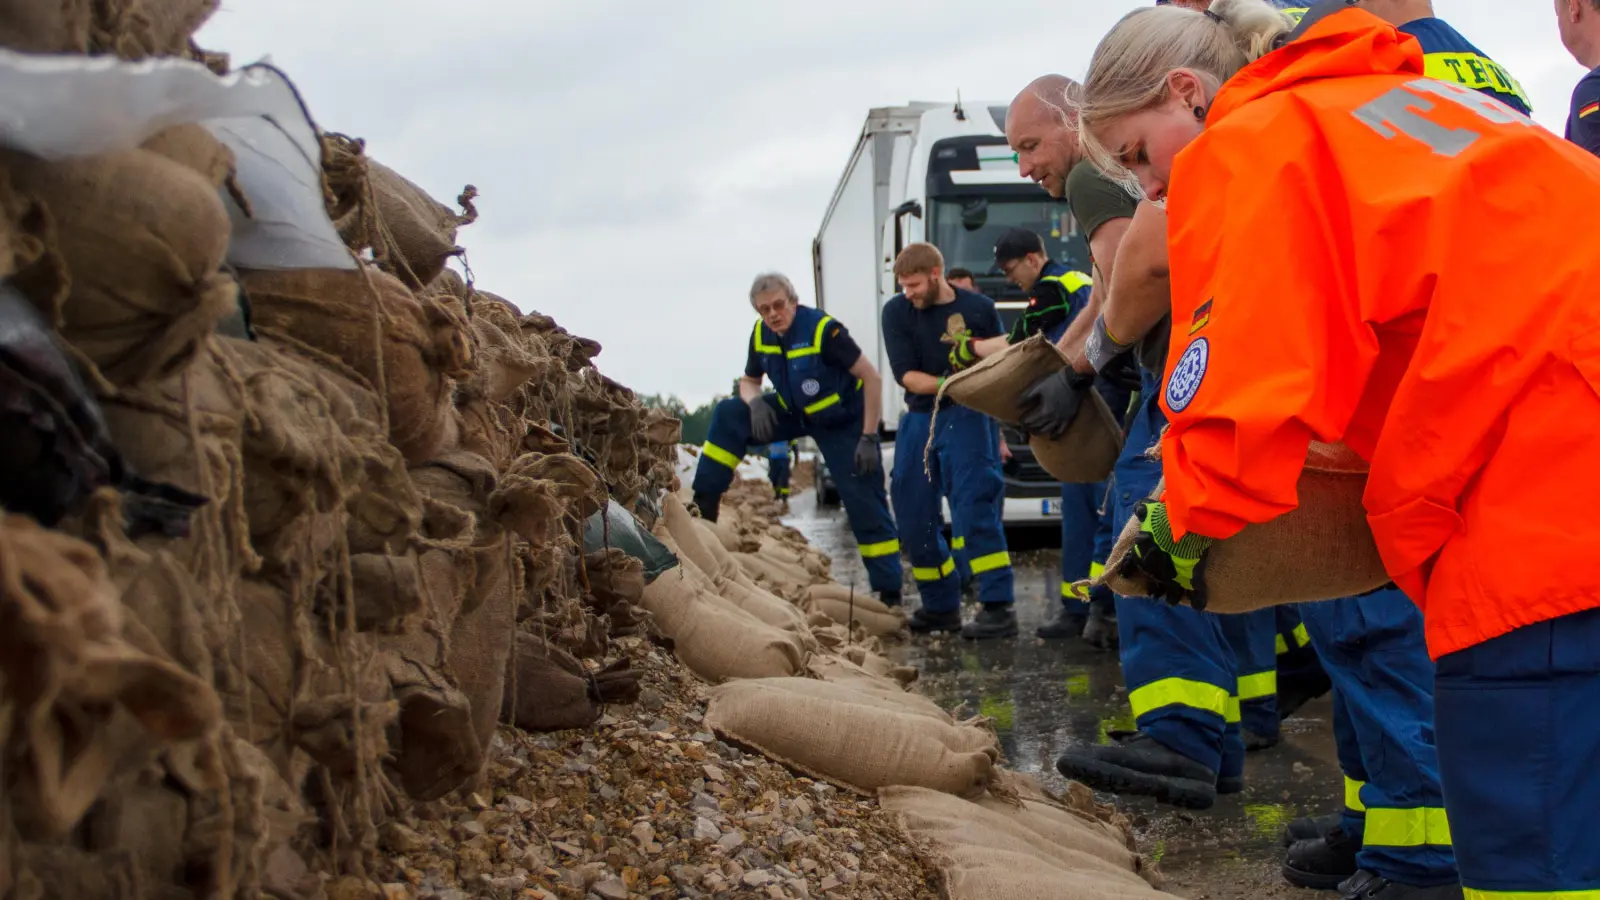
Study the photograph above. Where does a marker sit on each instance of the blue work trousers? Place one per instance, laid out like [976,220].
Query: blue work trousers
[1374,651]
[778,468]
[865,500]
[965,460]
[1180,671]
[1086,537]
[1253,638]
[1519,749]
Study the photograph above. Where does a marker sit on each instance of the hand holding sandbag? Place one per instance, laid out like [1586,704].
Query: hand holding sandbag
[1174,567]
[1050,406]
[963,355]
[868,460]
[763,421]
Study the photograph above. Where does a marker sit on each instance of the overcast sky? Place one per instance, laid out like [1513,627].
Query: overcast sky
[639,162]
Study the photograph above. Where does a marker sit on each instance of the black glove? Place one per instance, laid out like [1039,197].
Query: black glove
[1123,372]
[868,460]
[763,421]
[1174,568]
[1051,405]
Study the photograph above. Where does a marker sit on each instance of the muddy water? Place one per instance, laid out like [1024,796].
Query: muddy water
[1044,696]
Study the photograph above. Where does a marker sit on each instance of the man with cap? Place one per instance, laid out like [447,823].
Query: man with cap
[1579,21]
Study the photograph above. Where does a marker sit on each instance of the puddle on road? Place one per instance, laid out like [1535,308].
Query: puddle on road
[1045,696]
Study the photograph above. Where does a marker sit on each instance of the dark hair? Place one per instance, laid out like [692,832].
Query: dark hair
[959,272]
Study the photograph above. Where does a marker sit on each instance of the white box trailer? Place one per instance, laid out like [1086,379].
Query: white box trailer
[942,173]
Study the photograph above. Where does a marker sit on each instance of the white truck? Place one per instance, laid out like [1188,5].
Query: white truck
[942,173]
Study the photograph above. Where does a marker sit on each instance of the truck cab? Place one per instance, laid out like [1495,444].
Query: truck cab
[941,173]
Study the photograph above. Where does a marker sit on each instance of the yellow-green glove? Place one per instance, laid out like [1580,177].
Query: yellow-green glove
[1173,567]
[963,355]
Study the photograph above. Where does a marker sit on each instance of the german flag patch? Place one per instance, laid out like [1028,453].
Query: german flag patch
[1201,317]
[1589,110]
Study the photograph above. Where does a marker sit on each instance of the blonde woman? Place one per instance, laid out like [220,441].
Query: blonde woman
[1410,201]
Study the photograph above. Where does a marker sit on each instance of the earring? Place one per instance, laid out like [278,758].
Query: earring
[1200,113]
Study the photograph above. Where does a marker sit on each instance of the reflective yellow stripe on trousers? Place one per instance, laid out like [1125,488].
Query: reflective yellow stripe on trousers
[944,569]
[1352,795]
[1261,684]
[1424,826]
[1182,692]
[960,543]
[1530,895]
[1301,638]
[882,548]
[720,455]
[990,562]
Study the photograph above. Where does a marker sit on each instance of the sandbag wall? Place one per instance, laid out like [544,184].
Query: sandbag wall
[228,701]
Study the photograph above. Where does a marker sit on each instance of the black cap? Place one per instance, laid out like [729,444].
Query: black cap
[1017,243]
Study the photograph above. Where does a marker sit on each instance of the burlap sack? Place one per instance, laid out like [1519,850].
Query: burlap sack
[409,349]
[87,703]
[690,542]
[45,26]
[780,577]
[387,590]
[800,723]
[839,670]
[716,640]
[614,577]
[143,238]
[1088,451]
[726,535]
[878,693]
[844,606]
[765,606]
[436,747]
[879,665]
[195,148]
[416,234]
[1321,550]
[713,538]
[551,691]
[506,361]
[480,641]
[173,23]
[986,855]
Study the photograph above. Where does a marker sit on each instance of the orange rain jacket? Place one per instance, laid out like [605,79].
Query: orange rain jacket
[1440,314]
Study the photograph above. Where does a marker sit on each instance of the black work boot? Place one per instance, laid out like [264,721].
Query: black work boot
[1322,863]
[923,621]
[709,504]
[889,598]
[1139,764]
[1101,629]
[1299,688]
[1068,623]
[1230,784]
[1255,742]
[1310,828]
[994,620]
[1366,886]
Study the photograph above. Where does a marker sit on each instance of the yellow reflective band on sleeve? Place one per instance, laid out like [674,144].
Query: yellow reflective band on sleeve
[1096,570]
[1233,716]
[1424,826]
[762,346]
[720,455]
[1472,894]
[1261,684]
[881,548]
[1179,692]
[824,403]
[946,568]
[990,562]
[1473,71]
[1352,795]
[1072,282]
[960,543]
[816,342]
[1301,638]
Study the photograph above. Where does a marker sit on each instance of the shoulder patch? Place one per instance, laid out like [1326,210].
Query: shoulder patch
[1188,374]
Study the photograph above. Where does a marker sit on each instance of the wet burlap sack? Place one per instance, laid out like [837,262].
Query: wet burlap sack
[844,606]
[994,387]
[88,703]
[804,724]
[762,604]
[143,238]
[368,323]
[506,360]
[481,638]
[415,235]
[435,742]
[1321,550]
[716,639]
[45,26]
[550,690]
[995,852]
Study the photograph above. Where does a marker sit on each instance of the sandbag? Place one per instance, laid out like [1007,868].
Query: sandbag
[480,641]
[716,641]
[616,527]
[780,576]
[143,238]
[552,691]
[45,26]
[837,603]
[765,606]
[725,534]
[1321,550]
[194,147]
[416,233]
[436,746]
[387,590]
[839,670]
[173,23]
[987,854]
[410,350]
[802,724]
[691,541]
[994,387]
[506,361]
[879,665]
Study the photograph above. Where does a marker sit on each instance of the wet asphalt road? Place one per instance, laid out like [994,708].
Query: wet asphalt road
[1044,696]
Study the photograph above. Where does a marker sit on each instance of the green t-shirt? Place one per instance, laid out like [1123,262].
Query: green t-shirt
[1096,199]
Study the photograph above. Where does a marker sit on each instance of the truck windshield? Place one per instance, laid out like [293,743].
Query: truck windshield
[965,230]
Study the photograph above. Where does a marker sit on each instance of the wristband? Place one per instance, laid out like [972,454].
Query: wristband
[1101,347]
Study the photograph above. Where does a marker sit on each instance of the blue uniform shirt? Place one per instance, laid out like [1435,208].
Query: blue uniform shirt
[1451,57]
[919,340]
[1583,122]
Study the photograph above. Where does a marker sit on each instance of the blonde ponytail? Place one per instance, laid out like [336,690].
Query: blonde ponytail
[1128,73]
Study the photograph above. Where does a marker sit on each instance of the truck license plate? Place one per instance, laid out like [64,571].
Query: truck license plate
[1051,507]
